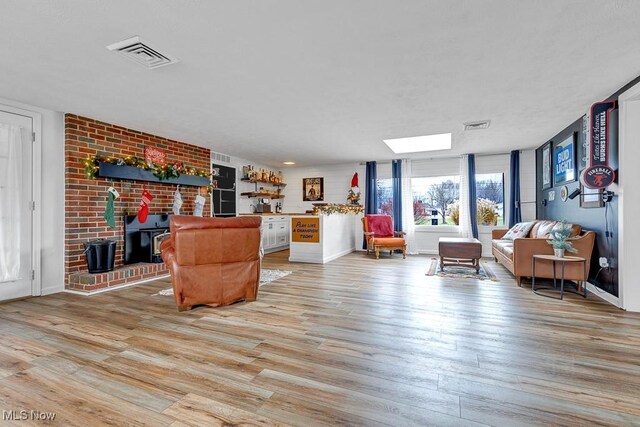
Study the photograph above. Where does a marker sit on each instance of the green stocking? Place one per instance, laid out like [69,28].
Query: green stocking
[109,214]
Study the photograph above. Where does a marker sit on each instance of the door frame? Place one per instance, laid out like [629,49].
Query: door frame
[36,191]
[628,133]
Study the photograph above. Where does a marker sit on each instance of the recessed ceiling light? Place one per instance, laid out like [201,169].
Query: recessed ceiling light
[418,144]
[288,163]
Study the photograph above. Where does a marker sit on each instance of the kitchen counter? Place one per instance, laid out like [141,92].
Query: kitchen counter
[319,239]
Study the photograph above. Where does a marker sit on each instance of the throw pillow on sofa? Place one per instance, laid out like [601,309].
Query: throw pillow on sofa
[521,229]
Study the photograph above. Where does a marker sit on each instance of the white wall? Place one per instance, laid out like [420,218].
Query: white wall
[52,190]
[528,184]
[337,182]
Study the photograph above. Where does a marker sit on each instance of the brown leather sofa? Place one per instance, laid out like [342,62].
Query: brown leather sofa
[213,261]
[517,255]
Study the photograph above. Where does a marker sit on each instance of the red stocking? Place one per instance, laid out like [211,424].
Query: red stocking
[143,212]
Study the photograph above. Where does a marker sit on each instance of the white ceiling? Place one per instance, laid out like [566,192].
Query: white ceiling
[324,81]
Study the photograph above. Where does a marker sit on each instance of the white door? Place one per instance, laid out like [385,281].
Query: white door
[16,205]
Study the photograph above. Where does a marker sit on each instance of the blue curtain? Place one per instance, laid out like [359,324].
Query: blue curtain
[371,189]
[515,213]
[370,193]
[473,208]
[396,175]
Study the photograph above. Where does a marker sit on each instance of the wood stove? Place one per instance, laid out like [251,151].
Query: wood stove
[142,240]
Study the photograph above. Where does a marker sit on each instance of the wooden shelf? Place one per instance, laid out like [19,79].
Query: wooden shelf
[254,181]
[265,195]
[134,173]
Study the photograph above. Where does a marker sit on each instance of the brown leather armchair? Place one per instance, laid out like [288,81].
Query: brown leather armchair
[213,261]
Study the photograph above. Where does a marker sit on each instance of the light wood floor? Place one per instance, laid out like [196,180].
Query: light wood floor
[358,341]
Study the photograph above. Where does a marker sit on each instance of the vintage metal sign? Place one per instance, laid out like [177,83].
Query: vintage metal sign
[598,173]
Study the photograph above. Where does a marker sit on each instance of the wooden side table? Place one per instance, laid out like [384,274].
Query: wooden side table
[563,261]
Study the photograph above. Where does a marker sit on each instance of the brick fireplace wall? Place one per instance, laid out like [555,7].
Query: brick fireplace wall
[86,199]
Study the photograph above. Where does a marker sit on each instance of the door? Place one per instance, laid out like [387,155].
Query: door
[16,205]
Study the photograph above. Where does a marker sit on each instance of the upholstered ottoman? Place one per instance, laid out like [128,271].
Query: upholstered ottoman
[459,251]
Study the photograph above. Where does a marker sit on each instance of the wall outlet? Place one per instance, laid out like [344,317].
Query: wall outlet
[604,263]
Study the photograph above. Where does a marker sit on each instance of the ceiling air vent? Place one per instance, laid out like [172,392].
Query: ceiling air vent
[141,52]
[482,124]
[217,157]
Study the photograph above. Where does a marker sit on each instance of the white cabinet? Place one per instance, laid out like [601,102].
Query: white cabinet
[275,233]
[265,236]
[282,233]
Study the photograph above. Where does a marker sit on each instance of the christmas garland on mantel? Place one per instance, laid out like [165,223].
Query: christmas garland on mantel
[337,208]
[160,171]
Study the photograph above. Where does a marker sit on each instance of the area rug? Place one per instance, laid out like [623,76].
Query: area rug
[266,276]
[461,272]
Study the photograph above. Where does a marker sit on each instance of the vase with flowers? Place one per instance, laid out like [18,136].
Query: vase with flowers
[560,239]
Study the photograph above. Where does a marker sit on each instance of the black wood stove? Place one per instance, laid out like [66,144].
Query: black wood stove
[142,241]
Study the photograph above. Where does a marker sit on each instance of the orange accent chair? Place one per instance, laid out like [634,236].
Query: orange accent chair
[213,261]
[378,231]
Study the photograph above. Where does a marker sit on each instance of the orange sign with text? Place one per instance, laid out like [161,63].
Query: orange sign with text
[305,230]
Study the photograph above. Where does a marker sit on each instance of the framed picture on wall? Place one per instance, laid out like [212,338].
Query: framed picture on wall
[564,161]
[590,198]
[313,189]
[546,166]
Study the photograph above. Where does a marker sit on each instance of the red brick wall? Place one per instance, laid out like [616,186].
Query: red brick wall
[86,199]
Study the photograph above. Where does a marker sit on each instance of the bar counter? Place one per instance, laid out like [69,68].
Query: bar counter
[319,239]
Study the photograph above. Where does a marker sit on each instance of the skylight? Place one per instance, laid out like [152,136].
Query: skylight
[417,144]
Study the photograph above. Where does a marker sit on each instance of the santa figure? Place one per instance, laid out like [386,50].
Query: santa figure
[354,193]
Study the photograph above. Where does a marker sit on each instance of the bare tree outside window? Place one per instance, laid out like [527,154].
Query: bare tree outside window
[491,188]
[440,196]
[434,194]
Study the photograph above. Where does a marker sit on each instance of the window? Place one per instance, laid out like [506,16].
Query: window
[490,198]
[385,196]
[434,200]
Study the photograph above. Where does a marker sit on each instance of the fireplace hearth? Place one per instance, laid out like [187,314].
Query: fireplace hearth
[142,240]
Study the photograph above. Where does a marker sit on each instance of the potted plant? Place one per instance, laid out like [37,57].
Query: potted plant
[560,240]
